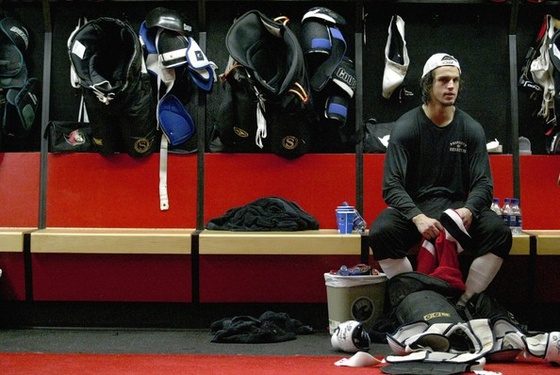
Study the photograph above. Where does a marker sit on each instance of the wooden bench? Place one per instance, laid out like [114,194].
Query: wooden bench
[547,264]
[111,241]
[12,262]
[265,267]
[521,264]
[310,242]
[112,264]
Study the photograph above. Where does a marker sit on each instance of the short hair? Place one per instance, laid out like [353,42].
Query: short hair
[427,82]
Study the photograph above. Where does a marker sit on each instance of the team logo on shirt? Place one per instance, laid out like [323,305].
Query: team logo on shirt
[458,146]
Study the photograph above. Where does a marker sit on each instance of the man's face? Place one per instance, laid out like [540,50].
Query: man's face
[446,85]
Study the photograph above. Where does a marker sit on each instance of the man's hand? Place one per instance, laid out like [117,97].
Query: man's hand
[466,215]
[428,227]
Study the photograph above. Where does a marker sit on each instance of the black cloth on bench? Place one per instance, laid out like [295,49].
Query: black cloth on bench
[265,214]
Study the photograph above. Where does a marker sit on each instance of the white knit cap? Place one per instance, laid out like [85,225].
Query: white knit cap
[440,59]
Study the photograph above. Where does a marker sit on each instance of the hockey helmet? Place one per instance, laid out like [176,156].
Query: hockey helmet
[351,337]
[167,19]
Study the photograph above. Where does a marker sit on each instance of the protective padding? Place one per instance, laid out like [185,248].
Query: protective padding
[351,337]
[429,306]
[148,37]
[169,19]
[174,120]
[555,50]
[324,14]
[21,108]
[202,77]
[427,368]
[106,54]
[13,71]
[16,32]
[315,38]
[172,48]
[396,57]
[404,284]
[269,49]
[336,108]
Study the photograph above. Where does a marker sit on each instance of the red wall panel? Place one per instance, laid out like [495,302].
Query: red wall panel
[19,189]
[502,173]
[89,190]
[540,193]
[317,182]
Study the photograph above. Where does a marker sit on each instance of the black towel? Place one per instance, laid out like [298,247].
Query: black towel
[268,328]
[265,214]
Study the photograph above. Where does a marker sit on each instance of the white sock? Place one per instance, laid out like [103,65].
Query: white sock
[393,267]
[481,273]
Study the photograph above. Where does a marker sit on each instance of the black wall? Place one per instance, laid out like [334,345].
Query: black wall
[476,32]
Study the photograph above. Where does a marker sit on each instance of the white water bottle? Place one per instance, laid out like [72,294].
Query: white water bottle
[495,206]
[516,221]
[506,211]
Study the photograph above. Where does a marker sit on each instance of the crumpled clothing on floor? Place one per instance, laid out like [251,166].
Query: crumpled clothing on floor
[270,327]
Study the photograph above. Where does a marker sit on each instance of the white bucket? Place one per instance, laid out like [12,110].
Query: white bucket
[354,298]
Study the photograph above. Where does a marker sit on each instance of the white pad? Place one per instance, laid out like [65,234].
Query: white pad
[477,332]
[360,359]
[394,72]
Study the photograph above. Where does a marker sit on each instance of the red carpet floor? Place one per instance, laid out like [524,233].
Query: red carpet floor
[148,364]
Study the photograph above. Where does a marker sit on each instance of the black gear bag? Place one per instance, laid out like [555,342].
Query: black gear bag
[266,105]
[107,64]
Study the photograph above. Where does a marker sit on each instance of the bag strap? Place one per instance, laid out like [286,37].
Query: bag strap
[82,111]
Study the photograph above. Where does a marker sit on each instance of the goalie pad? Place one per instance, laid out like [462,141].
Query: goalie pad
[404,284]
[427,305]
[428,368]
[20,109]
[464,342]
[542,345]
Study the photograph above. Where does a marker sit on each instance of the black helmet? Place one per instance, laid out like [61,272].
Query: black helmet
[167,19]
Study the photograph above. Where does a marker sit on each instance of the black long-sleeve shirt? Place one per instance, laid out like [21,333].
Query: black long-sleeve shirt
[429,169]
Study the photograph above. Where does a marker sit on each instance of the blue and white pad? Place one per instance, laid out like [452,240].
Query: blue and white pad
[199,67]
[174,120]
[321,35]
[341,89]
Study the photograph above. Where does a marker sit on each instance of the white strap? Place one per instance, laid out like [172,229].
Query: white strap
[261,120]
[163,197]
[74,79]
[82,112]
[174,55]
